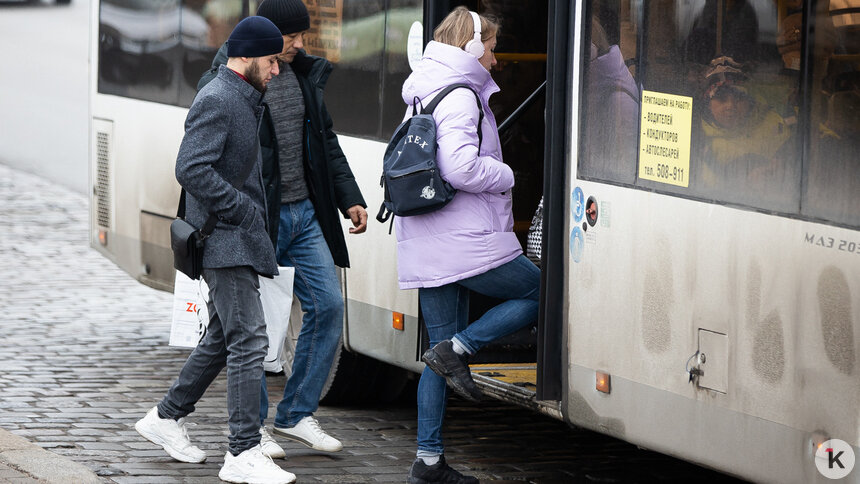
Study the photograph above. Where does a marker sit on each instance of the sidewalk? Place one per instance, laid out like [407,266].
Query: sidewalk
[23,462]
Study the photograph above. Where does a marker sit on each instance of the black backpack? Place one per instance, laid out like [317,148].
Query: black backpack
[410,178]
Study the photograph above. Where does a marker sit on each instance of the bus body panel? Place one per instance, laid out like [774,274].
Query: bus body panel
[143,192]
[371,282]
[710,435]
[656,274]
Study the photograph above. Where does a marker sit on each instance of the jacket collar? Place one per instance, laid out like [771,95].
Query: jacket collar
[247,90]
[315,69]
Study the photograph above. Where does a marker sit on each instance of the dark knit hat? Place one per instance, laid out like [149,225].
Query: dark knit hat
[255,37]
[290,16]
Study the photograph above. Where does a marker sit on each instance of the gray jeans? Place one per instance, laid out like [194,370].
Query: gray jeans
[235,338]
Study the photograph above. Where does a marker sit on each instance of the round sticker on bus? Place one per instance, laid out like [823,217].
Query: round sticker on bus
[415,44]
[834,459]
[577,243]
[577,204]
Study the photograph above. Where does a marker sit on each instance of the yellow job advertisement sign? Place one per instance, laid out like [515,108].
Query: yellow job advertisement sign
[664,138]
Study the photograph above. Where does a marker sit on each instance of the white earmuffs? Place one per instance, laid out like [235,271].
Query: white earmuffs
[475,46]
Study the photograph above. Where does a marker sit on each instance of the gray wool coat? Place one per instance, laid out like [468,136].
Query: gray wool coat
[220,137]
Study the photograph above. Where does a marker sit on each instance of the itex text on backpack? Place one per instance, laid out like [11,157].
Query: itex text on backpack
[410,178]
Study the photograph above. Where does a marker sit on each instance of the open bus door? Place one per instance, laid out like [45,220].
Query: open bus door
[525,367]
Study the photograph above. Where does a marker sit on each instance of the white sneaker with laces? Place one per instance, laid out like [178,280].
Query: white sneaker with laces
[171,435]
[308,432]
[253,467]
[270,446]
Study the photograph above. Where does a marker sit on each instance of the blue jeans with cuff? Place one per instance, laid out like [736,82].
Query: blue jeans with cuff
[301,245]
[446,315]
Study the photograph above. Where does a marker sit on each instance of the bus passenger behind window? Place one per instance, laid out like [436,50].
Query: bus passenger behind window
[612,119]
[744,142]
[469,244]
[737,37]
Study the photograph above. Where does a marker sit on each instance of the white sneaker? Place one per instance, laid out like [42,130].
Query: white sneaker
[253,467]
[308,432]
[270,447]
[171,435]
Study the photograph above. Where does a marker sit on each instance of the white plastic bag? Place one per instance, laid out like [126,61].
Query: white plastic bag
[277,298]
[191,317]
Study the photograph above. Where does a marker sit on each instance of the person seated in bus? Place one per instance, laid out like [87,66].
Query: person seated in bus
[220,139]
[308,182]
[613,113]
[736,37]
[743,139]
[469,244]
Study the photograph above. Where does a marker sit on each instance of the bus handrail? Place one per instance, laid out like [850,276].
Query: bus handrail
[514,116]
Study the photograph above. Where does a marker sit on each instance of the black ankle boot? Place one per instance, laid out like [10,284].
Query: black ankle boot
[445,362]
[440,473]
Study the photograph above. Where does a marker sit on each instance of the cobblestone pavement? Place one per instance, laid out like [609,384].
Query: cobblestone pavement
[85,355]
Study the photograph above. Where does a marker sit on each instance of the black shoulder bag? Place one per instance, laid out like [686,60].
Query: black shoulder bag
[187,241]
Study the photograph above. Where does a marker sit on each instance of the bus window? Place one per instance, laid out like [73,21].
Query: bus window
[156,50]
[833,171]
[205,26]
[611,96]
[400,16]
[138,45]
[351,34]
[722,55]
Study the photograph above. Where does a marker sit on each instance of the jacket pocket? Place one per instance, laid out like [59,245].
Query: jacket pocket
[249,218]
[500,205]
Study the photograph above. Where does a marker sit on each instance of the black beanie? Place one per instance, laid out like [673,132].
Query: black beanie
[255,37]
[290,16]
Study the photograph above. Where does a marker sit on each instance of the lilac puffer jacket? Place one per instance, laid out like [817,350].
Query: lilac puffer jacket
[474,232]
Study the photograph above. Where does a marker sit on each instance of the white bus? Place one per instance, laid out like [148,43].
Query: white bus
[700,168]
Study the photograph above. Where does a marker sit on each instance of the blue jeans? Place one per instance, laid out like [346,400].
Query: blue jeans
[446,315]
[301,245]
[235,338]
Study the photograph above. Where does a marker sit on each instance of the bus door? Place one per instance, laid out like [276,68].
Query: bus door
[508,367]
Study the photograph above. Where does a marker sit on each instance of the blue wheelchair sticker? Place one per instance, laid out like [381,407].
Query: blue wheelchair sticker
[577,204]
[577,243]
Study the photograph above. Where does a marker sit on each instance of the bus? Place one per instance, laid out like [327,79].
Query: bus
[699,168]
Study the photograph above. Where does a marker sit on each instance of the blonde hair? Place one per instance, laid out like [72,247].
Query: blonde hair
[458,28]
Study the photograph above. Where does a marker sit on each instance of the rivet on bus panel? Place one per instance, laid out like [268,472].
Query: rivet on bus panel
[103,237]
[602,382]
[397,321]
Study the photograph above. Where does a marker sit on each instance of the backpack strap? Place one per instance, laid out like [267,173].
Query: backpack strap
[416,101]
[444,92]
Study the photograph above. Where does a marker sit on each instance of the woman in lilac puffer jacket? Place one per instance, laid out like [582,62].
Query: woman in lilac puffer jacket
[467,245]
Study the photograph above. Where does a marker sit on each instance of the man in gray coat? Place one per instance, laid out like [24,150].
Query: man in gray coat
[220,142]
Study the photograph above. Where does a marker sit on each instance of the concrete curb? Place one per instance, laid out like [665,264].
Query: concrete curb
[35,462]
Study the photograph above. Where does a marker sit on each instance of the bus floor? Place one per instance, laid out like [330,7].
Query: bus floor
[515,383]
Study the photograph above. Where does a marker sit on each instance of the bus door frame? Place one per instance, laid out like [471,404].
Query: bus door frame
[551,318]
[558,89]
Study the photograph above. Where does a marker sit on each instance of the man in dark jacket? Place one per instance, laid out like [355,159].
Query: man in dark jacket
[219,167]
[307,181]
